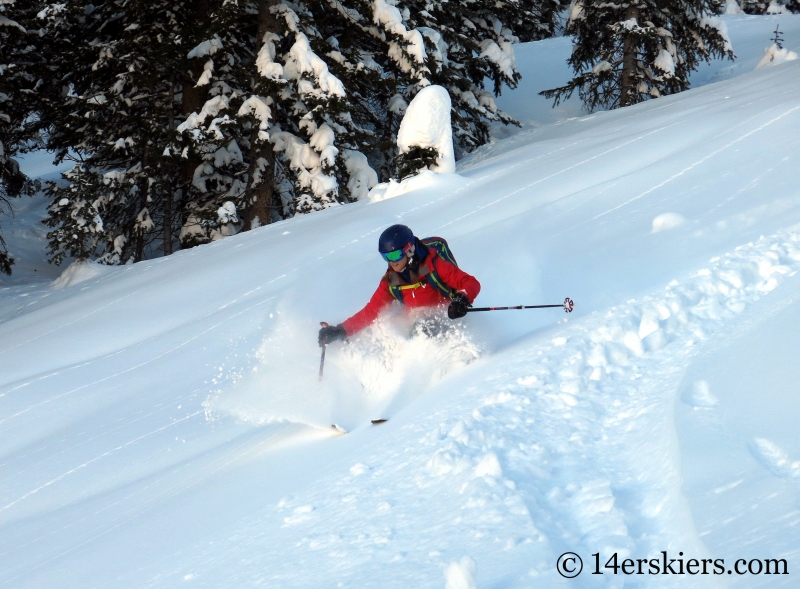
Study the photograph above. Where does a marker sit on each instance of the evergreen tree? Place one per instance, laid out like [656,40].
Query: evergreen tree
[302,126]
[17,132]
[189,121]
[628,52]
[538,19]
[459,46]
[210,139]
[755,6]
[770,6]
[384,53]
[129,76]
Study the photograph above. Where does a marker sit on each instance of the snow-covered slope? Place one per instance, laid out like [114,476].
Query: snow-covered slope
[163,424]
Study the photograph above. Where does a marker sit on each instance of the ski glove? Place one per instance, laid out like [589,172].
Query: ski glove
[331,333]
[458,307]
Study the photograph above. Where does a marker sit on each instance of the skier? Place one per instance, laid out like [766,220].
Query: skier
[417,276]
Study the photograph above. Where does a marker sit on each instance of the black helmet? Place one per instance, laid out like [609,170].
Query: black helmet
[394,238]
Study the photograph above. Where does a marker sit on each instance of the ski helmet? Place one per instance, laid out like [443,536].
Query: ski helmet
[394,238]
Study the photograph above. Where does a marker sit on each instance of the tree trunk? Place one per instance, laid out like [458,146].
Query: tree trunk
[138,251]
[260,191]
[629,54]
[168,193]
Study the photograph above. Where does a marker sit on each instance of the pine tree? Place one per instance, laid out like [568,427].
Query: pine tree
[458,46]
[628,52]
[755,6]
[770,6]
[129,76]
[190,121]
[210,139]
[300,112]
[384,53]
[18,133]
[108,117]
[538,19]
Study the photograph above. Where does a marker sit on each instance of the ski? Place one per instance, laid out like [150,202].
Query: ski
[340,430]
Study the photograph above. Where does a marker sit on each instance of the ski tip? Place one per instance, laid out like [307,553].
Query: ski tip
[338,428]
[378,421]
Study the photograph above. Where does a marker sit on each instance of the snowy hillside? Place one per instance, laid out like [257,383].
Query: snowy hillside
[163,424]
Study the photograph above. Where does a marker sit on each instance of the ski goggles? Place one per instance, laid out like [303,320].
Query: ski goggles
[396,255]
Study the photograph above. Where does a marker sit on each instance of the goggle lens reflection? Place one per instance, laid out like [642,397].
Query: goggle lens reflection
[393,256]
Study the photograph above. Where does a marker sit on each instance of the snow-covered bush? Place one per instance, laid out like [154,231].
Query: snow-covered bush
[425,139]
[775,54]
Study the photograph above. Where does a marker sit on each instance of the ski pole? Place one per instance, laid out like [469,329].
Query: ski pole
[567,305]
[322,359]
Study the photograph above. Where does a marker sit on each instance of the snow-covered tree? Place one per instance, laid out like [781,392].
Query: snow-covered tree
[459,46]
[131,72]
[18,132]
[630,51]
[776,54]
[189,121]
[300,116]
[384,53]
[209,140]
[770,6]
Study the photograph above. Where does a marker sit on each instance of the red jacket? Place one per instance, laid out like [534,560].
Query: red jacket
[422,296]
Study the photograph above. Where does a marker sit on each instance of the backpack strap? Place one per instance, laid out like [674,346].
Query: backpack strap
[434,279]
[396,286]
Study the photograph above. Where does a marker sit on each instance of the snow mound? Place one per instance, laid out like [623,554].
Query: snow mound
[774,459]
[424,180]
[732,7]
[459,574]
[775,56]
[427,124]
[666,221]
[80,271]
[700,395]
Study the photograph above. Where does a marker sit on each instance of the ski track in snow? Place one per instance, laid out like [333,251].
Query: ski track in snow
[527,187]
[95,459]
[166,485]
[704,159]
[483,177]
[135,367]
[577,453]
